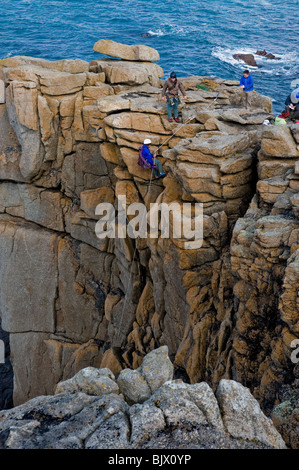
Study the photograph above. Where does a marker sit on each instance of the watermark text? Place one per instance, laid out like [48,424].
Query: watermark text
[174,220]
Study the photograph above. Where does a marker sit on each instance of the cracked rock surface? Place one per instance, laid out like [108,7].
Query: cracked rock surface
[85,413]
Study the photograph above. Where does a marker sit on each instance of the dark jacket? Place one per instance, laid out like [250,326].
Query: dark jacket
[173,88]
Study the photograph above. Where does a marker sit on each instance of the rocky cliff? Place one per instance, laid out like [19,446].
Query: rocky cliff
[70,133]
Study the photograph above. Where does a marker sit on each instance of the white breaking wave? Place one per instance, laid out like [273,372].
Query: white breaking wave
[170,29]
[286,65]
[158,32]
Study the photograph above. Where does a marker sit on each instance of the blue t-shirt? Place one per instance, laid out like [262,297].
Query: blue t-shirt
[247,82]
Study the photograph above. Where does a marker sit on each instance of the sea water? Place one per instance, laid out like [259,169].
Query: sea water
[193,37]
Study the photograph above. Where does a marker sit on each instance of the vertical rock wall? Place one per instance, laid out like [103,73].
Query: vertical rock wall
[71,300]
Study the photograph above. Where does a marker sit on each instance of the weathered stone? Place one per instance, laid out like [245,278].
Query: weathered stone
[133,386]
[270,188]
[10,150]
[157,368]
[64,65]
[91,381]
[25,103]
[113,103]
[244,117]
[97,92]
[96,419]
[285,418]
[130,73]
[146,420]
[123,51]
[32,154]
[278,142]
[219,144]
[247,58]
[44,207]
[243,417]
[20,274]
[61,83]
[92,197]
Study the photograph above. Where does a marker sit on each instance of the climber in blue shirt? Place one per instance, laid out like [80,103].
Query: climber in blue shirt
[246,83]
[152,159]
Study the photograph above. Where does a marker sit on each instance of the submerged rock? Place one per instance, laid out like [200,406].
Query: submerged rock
[267,55]
[247,58]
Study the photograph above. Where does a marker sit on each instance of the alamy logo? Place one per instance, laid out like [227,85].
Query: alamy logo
[186,221]
[2,352]
[295,353]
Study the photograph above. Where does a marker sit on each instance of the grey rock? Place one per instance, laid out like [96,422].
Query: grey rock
[146,420]
[243,417]
[112,434]
[203,396]
[91,381]
[133,386]
[177,406]
[175,415]
[58,422]
[157,368]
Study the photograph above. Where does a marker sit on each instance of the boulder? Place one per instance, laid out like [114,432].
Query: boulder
[123,51]
[133,386]
[261,53]
[88,412]
[157,368]
[130,73]
[247,58]
[277,141]
[243,417]
[267,55]
[64,65]
[90,381]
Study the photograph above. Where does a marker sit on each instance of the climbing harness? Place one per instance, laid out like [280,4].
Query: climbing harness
[173,99]
[142,161]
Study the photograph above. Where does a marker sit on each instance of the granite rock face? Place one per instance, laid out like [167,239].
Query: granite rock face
[70,140]
[176,415]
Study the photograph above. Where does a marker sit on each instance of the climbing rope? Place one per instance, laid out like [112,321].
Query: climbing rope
[185,123]
[148,194]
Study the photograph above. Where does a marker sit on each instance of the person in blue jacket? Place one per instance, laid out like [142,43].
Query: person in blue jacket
[246,83]
[152,159]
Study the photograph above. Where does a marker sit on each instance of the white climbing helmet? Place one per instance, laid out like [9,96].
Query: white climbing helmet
[147,141]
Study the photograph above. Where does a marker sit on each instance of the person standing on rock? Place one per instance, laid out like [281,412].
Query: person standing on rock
[152,159]
[246,83]
[170,92]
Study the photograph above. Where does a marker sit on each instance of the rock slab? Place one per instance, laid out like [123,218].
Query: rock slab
[138,52]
